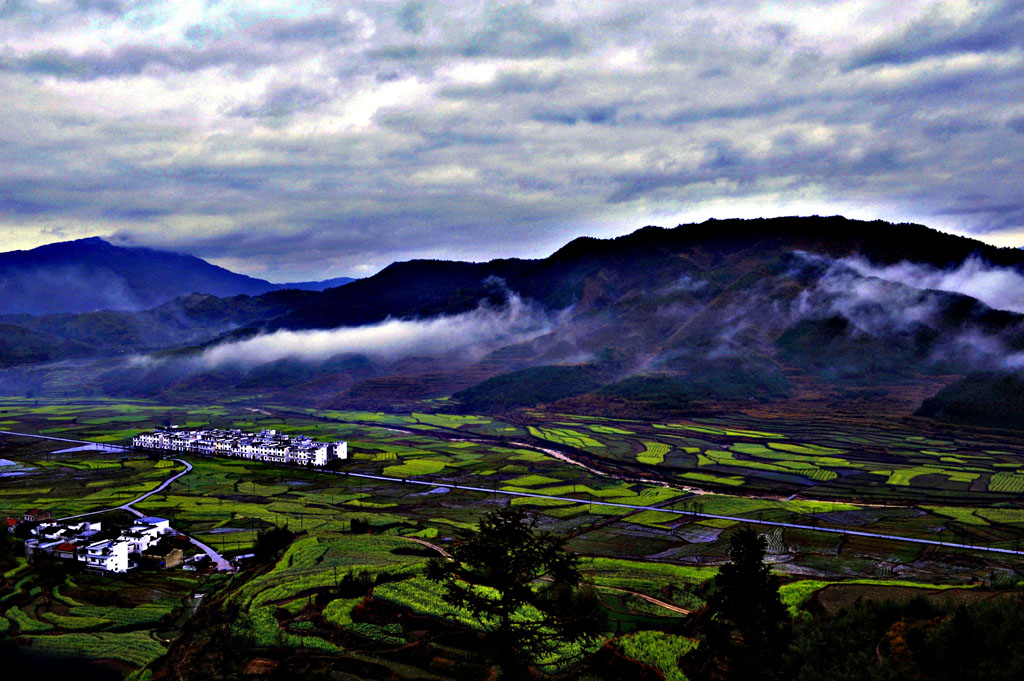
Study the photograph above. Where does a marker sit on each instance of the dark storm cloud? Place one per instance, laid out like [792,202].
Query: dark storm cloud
[604,114]
[102,6]
[133,60]
[327,28]
[411,17]
[504,84]
[297,141]
[282,101]
[248,49]
[513,29]
[771,105]
[997,26]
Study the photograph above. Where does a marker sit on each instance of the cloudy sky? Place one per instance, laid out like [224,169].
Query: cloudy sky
[299,140]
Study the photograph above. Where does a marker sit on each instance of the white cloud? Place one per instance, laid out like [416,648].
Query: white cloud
[469,335]
[1001,288]
[344,128]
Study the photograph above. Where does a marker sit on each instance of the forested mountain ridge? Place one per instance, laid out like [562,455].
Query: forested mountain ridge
[734,311]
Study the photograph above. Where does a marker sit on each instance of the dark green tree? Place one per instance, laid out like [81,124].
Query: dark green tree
[270,543]
[747,629]
[522,586]
[9,548]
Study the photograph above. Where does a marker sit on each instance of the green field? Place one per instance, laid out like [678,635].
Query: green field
[965,489]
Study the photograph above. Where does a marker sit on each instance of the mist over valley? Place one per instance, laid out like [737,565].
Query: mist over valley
[691,318]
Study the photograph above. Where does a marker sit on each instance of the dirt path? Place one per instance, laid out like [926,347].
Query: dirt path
[434,547]
[650,599]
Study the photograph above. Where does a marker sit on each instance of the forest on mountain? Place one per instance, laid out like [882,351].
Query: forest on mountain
[734,311]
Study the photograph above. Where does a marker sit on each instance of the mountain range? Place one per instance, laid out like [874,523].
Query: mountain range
[91,274]
[807,313]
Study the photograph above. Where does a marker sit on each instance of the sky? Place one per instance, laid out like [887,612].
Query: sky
[310,140]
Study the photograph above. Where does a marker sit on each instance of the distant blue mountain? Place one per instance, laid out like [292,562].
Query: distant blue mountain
[92,274]
[315,285]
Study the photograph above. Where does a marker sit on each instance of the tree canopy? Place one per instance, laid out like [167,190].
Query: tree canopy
[747,629]
[522,586]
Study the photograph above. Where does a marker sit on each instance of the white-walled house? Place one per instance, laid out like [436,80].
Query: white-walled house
[109,556]
[266,445]
[145,533]
[86,542]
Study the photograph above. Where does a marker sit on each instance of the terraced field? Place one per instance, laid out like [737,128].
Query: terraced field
[95,618]
[960,487]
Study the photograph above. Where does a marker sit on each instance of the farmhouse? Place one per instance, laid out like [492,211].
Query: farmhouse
[97,549]
[36,515]
[266,445]
[163,555]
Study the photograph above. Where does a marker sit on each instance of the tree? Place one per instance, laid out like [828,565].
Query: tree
[747,629]
[271,542]
[9,548]
[521,586]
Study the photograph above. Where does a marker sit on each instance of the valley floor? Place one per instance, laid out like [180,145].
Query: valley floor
[649,505]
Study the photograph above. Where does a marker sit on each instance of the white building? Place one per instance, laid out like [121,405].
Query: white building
[109,555]
[87,543]
[145,533]
[266,445]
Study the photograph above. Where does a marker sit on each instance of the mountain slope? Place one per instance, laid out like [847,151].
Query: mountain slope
[593,271]
[734,311]
[191,318]
[737,312]
[988,399]
[91,274]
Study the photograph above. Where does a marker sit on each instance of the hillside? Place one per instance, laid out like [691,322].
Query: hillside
[645,259]
[789,310]
[91,274]
[986,399]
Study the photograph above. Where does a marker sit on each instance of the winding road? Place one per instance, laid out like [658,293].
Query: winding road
[633,507]
[220,561]
[693,514]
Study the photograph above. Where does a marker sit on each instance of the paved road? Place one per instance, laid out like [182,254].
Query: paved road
[62,439]
[128,506]
[694,514]
[218,560]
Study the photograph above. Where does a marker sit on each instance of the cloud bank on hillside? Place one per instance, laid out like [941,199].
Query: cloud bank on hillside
[467,336]
[907,298]
[1001,288]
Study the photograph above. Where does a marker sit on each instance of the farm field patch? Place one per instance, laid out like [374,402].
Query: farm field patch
[354,529]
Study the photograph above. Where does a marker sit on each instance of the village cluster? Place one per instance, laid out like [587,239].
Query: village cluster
[151,541]
[148,540]
[267,445]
